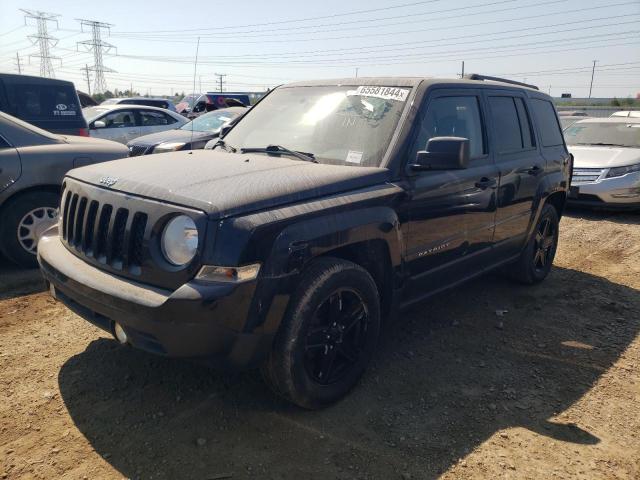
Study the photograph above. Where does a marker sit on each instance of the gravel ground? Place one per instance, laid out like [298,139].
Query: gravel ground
[492,380]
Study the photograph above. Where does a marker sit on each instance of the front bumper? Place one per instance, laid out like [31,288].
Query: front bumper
[618,192]
[204,321]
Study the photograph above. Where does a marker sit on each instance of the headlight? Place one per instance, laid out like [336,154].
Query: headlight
[619,171]
[210,273]
[180,240]
[168,147]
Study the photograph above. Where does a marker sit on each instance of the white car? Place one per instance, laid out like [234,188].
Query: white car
[627,113]
[606,166]
[123,123]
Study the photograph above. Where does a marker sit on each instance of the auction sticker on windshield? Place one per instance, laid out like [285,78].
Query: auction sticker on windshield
[386,93]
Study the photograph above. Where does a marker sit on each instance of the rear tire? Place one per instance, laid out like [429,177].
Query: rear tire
[328,336]
[24,219]
[537,257]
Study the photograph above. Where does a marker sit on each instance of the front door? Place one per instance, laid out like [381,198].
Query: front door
[451,213]
[119,126]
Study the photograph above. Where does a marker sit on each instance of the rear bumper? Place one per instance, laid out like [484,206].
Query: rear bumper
[203,321]
[615,193]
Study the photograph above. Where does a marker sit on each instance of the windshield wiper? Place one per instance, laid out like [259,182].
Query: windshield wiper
[307,157]
[603,144]
[226,148]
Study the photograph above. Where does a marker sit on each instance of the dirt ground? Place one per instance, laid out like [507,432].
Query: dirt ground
[493,380]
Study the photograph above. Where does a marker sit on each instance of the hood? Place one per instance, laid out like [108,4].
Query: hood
[603,157]
[176,135]
[225,184]
[86,141]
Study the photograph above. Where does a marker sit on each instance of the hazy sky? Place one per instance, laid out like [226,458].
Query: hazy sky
[551,43]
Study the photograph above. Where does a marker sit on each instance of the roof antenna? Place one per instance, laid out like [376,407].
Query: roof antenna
[195,71]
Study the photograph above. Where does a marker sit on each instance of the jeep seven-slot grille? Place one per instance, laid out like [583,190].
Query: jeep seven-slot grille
[111,235]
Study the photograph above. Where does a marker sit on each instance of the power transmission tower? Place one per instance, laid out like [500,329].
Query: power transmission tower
[18,64]
[98,47]
[44,41]
[220,77]
[86,73]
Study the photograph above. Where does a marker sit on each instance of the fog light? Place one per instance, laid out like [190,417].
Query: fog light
[120,334]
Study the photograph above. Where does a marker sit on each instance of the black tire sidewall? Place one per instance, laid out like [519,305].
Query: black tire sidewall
[548,212]
[298,385]
[12,214]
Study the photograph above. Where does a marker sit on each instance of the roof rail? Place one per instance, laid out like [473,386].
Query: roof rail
[477,76]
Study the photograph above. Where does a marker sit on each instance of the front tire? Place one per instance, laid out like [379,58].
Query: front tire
[328,335]
[24,219]
[536,259]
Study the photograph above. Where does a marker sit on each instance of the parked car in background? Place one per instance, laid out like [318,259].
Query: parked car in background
[149,102]
[32,165]
[627,113]
[330,205]
[86,100]
[123,123]
[567,121]
[191,136]
[213,101]
[47,103]
[606,168]
[185,105]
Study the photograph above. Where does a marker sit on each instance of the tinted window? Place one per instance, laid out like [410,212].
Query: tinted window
[119,119]
[150,118]
[525,124]
[547,122]
[3,143]
[46,102]
[452,117]
[506,125]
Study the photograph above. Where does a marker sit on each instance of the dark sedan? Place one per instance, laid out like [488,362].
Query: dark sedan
[191,136]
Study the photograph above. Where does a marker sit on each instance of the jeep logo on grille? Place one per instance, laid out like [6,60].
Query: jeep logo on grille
[108,181]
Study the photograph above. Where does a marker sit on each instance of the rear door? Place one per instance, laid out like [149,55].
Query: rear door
[521,167]
[451,212]
[152,121]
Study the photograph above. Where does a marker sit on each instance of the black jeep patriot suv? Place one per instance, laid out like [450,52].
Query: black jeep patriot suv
[328,206]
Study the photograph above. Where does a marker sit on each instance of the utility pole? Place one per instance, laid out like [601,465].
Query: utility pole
[220,77]
[200,83]
[98,47]
[356,72]
[593,71]
[86,72]
[462,73]
[18,64]
[44,41]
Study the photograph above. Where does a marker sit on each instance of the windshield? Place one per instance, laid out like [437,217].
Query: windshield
[91,113]
[617,134]
[210,122]
[339,125]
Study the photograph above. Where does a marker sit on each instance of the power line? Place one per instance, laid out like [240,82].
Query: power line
[44,41]
[98,47]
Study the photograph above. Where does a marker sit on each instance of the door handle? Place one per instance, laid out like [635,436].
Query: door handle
[531,170]
[485,182]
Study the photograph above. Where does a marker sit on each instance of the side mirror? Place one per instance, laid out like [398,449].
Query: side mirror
[224,130]
[443,153]
[98,124]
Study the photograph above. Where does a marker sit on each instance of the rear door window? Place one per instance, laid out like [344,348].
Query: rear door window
[150,118]
[506,125]
[43,102]
[547,123]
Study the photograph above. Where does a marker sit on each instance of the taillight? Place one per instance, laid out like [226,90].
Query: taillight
[83,132]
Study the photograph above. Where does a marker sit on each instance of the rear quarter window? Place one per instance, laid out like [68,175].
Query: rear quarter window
[547,123]
[44,102]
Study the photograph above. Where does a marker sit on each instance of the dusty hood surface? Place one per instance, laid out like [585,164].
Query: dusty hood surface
[603,157]
[224,184]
